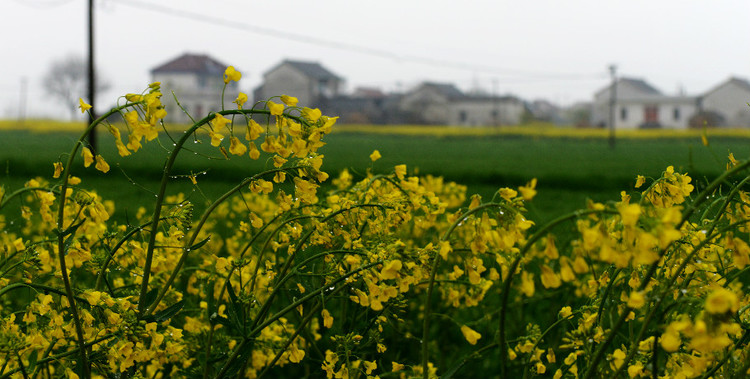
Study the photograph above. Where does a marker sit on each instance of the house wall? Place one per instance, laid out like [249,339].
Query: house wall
[197,93]
[285,80]
[730,101]
[426,105]
[671,114]
[600,108]
[485,112]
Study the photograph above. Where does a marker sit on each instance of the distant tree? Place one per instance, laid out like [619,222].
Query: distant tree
[67,81]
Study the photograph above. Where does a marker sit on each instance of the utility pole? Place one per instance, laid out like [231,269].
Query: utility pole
[91,75]
[22,101]
[612,104]
[495,105]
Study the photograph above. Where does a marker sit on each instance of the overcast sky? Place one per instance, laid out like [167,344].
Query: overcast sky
[553,49]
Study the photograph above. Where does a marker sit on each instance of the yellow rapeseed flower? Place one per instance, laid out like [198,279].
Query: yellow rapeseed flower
[670,341]
[721,301]
[88,157]
[289,100]
[216,138]
[240,100]
[375,155]
[101,165]
[276,109]
[327,319]
[527,284]
[528,191]
[236,147]
[390,270]
[18,244]
[565,312]
[549,278]
[636,299]
[311,114]
[639,180]
[231,75]
[58,169]
[400,171]
[219,121]
[470,334]
[83,105]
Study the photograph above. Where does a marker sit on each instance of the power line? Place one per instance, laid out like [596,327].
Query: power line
[276,33]
[39,4]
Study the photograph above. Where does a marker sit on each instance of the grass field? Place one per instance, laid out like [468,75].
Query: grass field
[570,165]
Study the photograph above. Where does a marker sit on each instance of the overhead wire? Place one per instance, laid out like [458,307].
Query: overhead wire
[506,73]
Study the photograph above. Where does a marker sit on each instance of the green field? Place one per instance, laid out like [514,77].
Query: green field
[569,170]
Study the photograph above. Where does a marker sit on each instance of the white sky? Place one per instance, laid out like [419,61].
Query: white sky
[553,49]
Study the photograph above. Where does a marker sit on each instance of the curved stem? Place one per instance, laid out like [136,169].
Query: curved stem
[511,271]
[282,273]
[257,329]
[61,232]
[20,191]
[700,198]
[433,274]
[190,241]
[160,200]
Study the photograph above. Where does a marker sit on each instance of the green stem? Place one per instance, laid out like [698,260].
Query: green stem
[257,329]
[700,198]
[196,231]
[282,273]
[431,285]
[21,191]
[160,200]
[511,271]
[85,367]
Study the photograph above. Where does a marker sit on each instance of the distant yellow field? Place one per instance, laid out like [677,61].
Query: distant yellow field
[531,130]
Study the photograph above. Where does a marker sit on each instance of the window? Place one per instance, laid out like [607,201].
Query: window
[324,88]
[623,114]
[676,113]
[462,116]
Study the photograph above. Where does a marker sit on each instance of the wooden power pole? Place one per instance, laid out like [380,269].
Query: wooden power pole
[91,75]
[612,105]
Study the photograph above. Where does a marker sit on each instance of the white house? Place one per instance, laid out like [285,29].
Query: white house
[197,81]
[640,105]
[729,100]
[309,82]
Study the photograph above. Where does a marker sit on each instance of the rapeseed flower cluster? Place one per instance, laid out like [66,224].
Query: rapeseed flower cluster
[382,273]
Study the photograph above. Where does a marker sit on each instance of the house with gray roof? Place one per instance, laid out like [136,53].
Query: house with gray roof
[640,105]
[197,80]
[309,82]
[729,101]
[444,104]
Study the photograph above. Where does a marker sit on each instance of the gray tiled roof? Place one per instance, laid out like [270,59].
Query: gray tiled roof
[641,86]
[739,82]
[193,63]
[448,90]
[744,84]
[312,69]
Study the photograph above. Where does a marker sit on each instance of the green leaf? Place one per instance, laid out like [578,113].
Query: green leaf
[208,293]
[199,244]
[150,298]
[236,313]
[166,313]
